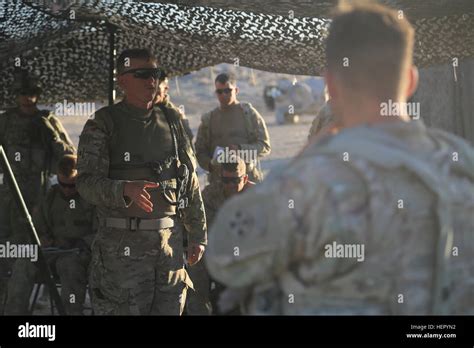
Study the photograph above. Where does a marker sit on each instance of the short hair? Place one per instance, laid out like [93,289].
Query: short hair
[226,77]
[133,53]
[375,41]
[67,165]
[235,164]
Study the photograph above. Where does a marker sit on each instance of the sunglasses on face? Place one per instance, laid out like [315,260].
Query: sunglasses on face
[231,180]
[63,184]
[224,90]
[145,74]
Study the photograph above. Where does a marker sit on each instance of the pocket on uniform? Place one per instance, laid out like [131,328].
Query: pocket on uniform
[102,279]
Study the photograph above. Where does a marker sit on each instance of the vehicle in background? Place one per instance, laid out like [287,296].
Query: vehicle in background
[290,99]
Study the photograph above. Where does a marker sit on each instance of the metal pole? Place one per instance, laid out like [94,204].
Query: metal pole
[111,29]
[43,266]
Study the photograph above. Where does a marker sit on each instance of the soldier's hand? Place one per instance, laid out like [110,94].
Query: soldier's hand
[136,191]
[195,252]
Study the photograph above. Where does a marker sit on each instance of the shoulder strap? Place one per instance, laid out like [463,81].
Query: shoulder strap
[212,117]
[250,121]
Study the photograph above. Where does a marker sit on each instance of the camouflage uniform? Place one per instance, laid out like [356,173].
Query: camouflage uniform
[69,224]
[33,145]
[282,228]
[207,293]
[239,124]
[322,120]
[137,269]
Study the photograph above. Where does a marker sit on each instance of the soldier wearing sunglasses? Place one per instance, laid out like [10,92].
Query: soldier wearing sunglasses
[233,125]
[233,180]
[137,166]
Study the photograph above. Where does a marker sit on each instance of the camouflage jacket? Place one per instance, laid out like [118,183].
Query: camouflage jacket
[401,194]
[33,146]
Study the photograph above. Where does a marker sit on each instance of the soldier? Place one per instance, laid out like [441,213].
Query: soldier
[65,222]
[162,96]
[234,127]
[233,180]
[141,176]
[373,220]
[33,140]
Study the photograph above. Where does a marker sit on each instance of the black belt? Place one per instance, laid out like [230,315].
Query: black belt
[135,223]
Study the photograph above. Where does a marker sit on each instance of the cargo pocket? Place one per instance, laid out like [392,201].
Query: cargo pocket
[108,298]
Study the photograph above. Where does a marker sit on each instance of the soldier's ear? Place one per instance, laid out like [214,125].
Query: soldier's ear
[120,81]
[412,81]
[330,83]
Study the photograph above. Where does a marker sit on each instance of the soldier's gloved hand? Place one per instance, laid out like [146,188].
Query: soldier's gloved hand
[136,191]
[195,252]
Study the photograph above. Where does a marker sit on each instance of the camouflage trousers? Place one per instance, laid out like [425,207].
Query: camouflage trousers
[138,272]
[71,270]
[198,302]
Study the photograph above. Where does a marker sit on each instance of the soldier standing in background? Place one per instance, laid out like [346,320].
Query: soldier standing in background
[374,220]
[233,125]
[34,141]
[137,166]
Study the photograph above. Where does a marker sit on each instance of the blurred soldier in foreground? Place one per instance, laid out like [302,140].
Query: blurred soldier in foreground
[65,224]
[137,166]
[34,140]
[374,220]
[233,128]
[233,180]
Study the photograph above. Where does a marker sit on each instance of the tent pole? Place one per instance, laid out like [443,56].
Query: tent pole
[111,90]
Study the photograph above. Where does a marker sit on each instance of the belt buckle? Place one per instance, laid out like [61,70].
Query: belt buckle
[133,223]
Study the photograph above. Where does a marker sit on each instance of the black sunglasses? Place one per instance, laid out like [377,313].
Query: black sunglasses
[231,180]
[224,90]
[63,184]
[145,74]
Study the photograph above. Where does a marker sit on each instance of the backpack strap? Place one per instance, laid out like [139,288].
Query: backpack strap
[250,118]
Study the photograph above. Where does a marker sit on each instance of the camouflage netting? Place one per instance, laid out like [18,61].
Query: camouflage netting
[66,44]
